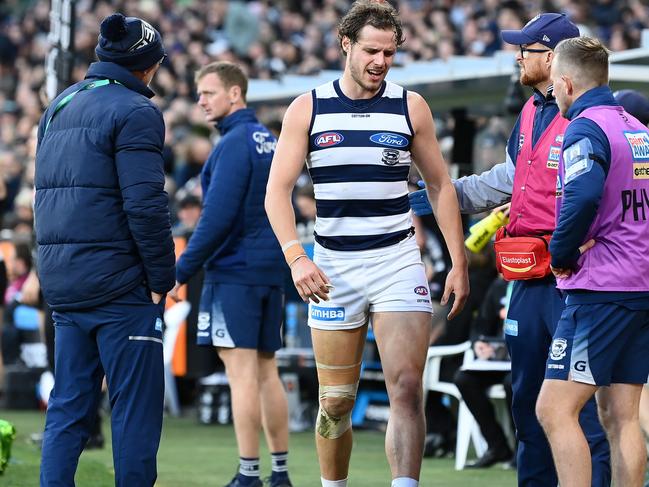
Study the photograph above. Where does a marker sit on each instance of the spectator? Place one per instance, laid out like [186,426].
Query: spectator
[189,212]
[487,329]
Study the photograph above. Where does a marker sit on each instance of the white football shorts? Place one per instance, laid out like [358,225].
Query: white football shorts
[369,281]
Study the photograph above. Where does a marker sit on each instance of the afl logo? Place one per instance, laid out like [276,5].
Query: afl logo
[391,140]
[328,139]
[421,290]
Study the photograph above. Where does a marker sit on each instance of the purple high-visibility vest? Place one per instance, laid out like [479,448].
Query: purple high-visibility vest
[619,261]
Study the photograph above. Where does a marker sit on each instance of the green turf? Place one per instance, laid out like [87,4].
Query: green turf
[192,455]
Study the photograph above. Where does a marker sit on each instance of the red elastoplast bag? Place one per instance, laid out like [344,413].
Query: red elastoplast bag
[522,258]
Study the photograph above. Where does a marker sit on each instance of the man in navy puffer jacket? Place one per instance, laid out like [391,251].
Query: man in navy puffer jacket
[106,255]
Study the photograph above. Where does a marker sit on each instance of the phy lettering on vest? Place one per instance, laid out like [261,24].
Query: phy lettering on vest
[636,200]
[639,142]
[517,261]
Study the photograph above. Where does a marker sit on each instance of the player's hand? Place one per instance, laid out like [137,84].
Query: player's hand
[419,202]
[310,281]
[173,294]
[156,298]
[457,283]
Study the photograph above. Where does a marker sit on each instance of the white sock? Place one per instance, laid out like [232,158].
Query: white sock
[333,483]
[404,482]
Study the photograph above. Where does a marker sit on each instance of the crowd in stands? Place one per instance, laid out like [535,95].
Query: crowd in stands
[270,39]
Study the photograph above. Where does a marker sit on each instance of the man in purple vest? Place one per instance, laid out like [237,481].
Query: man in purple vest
[599,256]
[528,179]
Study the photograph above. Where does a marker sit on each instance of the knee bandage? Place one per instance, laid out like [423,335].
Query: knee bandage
[332,427]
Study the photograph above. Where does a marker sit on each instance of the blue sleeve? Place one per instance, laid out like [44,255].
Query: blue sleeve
[587,156]
[231,169]
[41,130]
[513,143]
[139,165]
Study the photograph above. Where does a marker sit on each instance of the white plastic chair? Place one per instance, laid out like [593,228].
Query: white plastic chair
[467,428]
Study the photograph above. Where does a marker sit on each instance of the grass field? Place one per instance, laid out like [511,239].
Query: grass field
[193,455]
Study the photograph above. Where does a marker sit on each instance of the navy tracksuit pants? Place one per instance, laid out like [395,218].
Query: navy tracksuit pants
[534,312]
[123,339]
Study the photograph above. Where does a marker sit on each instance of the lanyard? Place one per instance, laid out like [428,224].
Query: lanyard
[67,99]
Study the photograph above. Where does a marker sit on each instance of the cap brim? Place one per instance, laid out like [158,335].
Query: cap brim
[516,37]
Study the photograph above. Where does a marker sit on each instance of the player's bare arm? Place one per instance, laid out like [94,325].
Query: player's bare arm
[427,157]
[290,154]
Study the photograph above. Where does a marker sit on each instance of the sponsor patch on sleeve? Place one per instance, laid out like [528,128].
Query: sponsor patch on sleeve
[576,159]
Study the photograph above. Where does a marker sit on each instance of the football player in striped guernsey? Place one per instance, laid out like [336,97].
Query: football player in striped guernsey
[359,135]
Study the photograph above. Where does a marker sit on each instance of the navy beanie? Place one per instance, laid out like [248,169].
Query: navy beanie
[129,42]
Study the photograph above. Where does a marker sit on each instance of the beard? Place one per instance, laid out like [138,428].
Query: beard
[531,78]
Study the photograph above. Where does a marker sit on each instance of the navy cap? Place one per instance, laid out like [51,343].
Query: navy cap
[548,29]
[634,103]
[129,42]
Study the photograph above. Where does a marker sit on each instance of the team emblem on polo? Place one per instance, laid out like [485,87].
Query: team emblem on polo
[558,348]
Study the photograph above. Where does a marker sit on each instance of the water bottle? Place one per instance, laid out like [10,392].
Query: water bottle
[223,411]
[290,336]
[481,232]
[205,407]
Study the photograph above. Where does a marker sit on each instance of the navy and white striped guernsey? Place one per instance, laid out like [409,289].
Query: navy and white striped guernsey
[359,159]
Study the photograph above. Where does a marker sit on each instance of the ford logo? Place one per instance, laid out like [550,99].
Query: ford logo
[391,140]
[328,139]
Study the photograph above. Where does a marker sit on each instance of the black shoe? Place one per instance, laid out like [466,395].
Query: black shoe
[491,457]
[235,483]
[95,442]
[438,446]
[278,483]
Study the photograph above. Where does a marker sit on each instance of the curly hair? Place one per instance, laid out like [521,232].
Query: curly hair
[378,14]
